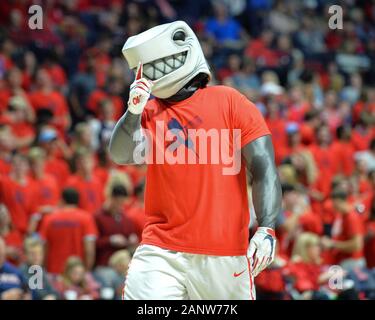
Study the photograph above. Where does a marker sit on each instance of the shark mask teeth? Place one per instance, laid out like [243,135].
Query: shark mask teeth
[156,69]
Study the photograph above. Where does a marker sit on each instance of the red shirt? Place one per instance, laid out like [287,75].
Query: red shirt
[109,225]
[306,275]
[361,139]
[8,196]
[136,213]
[370,245]
[343,154]
[279,138]
[90,192]
[65,231]
[58,168]
[197,208]
[53,101]
[345,227]
[46,191]
[5,167]
[325,162]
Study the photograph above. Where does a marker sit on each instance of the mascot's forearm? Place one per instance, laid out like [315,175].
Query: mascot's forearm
[123,143]
[266,189]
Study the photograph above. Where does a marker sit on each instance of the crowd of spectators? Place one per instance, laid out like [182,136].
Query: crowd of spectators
[66,207]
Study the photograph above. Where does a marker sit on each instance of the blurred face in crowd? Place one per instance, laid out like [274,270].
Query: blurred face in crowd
[121,267]
[284,43]
[43,80]
[37,164]
[290,198]
[35,255]
[221,11]
[294,138]
[85,164]
[20,166]
[323,135]
[85,135]
[267,37]
[273,109]
[234,62]
[313,252]
[5,139]
[330,99]
[106,110]
[361,166]
[296,94]
[356,80]
[117,203]
[77,274]
[4,219]
[116,86]
[18,113]
[15,78]
[2,252]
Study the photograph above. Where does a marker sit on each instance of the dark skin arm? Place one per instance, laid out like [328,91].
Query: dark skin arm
[122,143]
[266,188]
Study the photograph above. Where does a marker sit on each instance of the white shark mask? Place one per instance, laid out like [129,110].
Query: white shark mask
[171,57]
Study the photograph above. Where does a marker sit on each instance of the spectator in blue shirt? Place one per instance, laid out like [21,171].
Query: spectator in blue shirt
[12,284]
[225,30]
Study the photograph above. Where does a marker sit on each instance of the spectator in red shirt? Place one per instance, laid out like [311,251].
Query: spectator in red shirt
[46,190]
[55,165]
[85,182]
[46,98]
[22,128]
[343,151]
[6,147]
[347,233]
[324,159]
[115,230]
[306,269]
[12,89]
[20,183]
[68,231]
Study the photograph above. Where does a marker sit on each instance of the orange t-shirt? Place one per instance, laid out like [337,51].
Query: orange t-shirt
[8,196]
[196,208]
[345,228]
[65,231]
[57,168]
[46,191]
[90,192]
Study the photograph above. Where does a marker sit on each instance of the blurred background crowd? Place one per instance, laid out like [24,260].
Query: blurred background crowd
[66,207]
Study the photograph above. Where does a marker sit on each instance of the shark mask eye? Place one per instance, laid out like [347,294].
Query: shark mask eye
[179,37]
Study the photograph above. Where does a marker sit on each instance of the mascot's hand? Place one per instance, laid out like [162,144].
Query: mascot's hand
[140,91]
[262,249]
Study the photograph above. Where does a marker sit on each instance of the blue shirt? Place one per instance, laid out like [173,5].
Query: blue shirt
[10,278]
[228,30]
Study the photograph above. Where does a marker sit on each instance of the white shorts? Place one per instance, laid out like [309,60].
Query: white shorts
[159,274]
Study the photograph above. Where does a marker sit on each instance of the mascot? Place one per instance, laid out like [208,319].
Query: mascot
[195,240]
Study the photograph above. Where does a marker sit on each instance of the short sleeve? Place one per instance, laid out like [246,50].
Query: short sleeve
[354,225]
[43,231]
[90,229]
[248,119]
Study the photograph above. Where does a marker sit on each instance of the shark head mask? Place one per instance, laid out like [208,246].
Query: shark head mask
[171,57]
